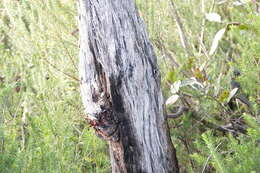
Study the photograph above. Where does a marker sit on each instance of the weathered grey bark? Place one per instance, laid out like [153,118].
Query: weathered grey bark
[120,87]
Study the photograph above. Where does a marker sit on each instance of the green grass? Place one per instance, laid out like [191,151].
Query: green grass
[41,124]
[38,101]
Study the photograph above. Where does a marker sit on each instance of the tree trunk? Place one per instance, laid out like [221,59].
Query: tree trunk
[120,87]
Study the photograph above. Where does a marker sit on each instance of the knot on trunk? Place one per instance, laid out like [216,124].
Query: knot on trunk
[106,125]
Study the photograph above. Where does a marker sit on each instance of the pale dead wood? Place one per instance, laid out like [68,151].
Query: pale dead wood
[120,87]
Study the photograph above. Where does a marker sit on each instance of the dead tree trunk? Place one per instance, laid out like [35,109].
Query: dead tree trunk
[120,87]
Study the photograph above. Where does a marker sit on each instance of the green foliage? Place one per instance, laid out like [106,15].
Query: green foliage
[237,48]
[230,154]
[41,127]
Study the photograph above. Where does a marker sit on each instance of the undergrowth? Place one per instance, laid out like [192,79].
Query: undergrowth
[41,124]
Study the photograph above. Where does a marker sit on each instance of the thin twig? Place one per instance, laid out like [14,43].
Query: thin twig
[67,51]
[2,143]
[205,164]
[215,126]
[256,3]
[74,32]
[225,128]
[180,27]
[186,145]
[202,26]
[179,112]
[226,109]
[72,77]
[23,128]
[161,46]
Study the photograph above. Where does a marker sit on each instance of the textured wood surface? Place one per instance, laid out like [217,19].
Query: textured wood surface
[120,87]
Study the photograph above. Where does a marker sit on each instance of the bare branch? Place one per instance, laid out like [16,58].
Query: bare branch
[234,129]
[72,77]
[179,112]
[224,128]
[159,44]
